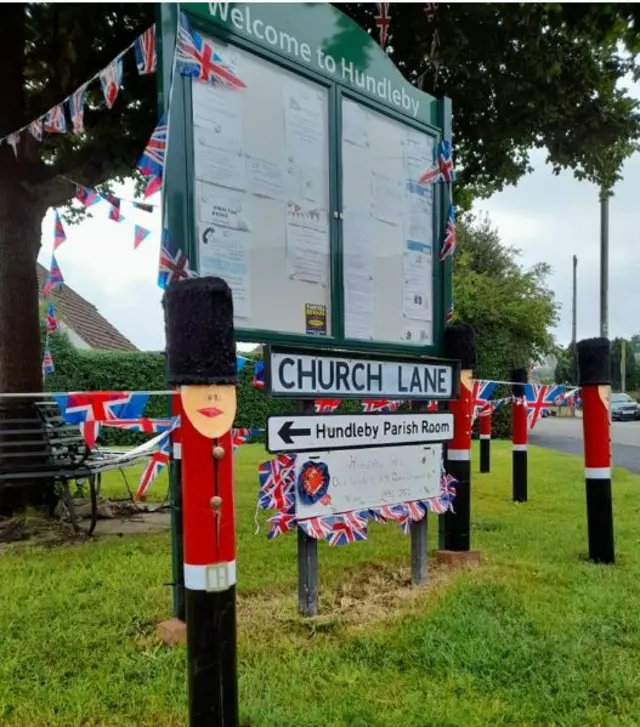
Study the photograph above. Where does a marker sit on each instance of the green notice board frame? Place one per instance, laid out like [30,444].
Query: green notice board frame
[300,38]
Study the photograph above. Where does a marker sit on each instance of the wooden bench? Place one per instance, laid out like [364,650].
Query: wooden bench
[36,443]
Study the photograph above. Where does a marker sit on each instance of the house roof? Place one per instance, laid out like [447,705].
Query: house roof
[84,319]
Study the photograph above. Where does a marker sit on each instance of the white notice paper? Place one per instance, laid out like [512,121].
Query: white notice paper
[267,179]
[225,253]
[308,215]
[313,184]
[219,206]
[419,333]
[305,122]
[217,165]
[218,109]
[355,124]
[307,253]
[359,282]
[417,281]
[387,202]
[418,218]
[418,154]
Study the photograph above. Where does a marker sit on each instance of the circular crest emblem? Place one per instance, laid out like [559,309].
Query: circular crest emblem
[313,482]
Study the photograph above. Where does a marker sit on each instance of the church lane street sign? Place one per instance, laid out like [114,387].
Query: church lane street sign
[307,375]
[325,432]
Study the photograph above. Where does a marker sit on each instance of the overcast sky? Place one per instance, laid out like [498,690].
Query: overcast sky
[549,218]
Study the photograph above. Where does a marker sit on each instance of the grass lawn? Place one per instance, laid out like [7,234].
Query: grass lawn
[536,636]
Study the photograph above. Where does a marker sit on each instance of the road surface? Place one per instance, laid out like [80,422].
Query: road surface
[565,435]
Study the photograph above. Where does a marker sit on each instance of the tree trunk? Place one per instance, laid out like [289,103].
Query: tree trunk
[20,352]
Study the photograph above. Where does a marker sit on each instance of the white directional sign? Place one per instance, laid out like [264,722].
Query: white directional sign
[311,375]
[319,432]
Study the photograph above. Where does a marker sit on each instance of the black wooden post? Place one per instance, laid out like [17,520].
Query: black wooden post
[419,538]
[307,552]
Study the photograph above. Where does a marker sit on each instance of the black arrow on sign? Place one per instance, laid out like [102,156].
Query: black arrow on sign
[287,432]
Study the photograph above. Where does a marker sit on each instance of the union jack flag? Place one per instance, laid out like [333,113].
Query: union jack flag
[144,426]
[145,50]
[540,397]
[35,129]
[415,510]
[114,208]
[448,486]
[13,140]
[111,80]
[100,406]
[370,406]
[55,121]
[58,231]
[195,57]
[140,234]
[383,20]
[151,162]
[276,477]
[155,184]
[52,323]
[173,267]
[241,436]
[90,432]
[54,277]
[348,527]
[76,109]
[159,460]
[326,406]
[450,313]
[386,513]
[481,394]
[432,406]
[316,527]
[449,241]
[86,195]
[258,375]
[283,522]
[47,362]
[445,162]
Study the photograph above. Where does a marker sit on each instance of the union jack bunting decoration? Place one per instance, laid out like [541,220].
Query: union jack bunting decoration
[58,231]
[111,80]
[140,234]
[47,362]
[173,267]
[35,129]
[114,208]
[540,397]
[52,323]
[90,432]
[86,195]
[326,406]
[100,406]
[14,140]
[283,522]
[145,50]
[258,375]
[383,20]
[480,396]
[348,527]
[276,477]
[159,460]
[54,277]
[388,513]
[370,406]
[316,527]
[195,57]
[151,162]
[143,206]
[449,241]
[445,162]
[144,426]
[241,436]
[450,313]
[76,110]
[55,121]
[416,510]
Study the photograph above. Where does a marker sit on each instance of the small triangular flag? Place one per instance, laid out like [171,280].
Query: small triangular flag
[58,235]
[140,234]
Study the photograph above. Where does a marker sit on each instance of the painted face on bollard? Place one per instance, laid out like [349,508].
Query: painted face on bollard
[210,409]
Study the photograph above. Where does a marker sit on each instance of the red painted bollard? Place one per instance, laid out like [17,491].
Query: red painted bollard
[519,434]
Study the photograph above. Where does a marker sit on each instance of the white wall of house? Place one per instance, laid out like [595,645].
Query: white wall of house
[75,339]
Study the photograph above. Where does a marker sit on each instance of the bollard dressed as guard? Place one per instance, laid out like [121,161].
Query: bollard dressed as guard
[594,373]
[201,361]
[460,343]
[519,436]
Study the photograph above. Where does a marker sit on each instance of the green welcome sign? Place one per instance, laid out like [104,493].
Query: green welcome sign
[297,179]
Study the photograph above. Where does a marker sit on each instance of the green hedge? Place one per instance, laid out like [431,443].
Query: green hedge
[78,370]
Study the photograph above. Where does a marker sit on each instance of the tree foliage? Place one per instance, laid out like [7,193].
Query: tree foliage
[511,309]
